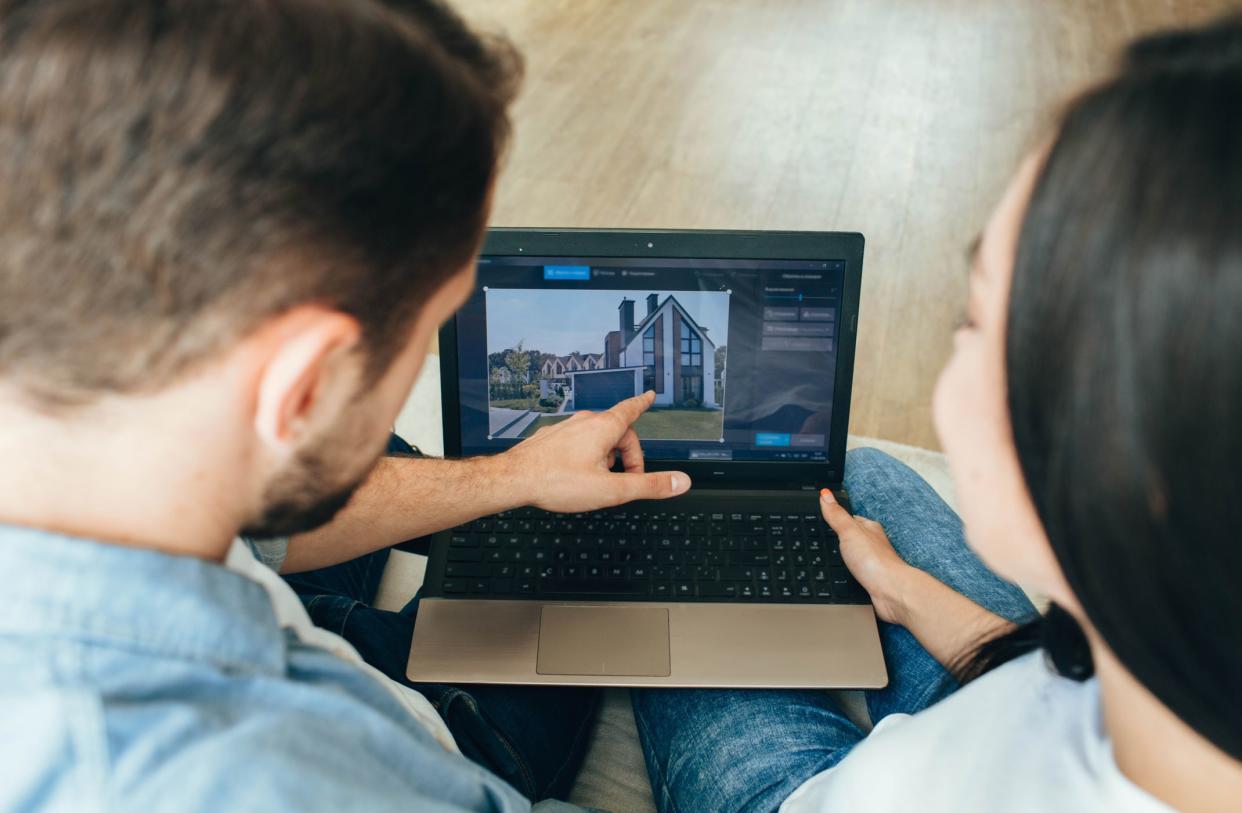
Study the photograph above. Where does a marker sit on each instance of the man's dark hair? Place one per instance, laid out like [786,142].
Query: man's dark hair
[174,173]
[1124,382]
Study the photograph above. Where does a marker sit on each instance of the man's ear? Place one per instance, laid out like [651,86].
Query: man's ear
[307,371]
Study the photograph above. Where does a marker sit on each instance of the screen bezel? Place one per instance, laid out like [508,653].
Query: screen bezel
[733,245]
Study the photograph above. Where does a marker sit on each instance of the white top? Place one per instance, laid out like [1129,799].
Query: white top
[1020,738]
[292,615]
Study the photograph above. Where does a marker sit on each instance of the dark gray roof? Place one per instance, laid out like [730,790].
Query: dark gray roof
[685,313]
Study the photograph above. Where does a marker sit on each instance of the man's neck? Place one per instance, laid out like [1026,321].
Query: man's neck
[1156,750]
[117,476]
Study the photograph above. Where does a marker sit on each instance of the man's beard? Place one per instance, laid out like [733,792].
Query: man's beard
[304,496]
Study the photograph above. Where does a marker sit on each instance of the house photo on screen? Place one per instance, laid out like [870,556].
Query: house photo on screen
[552,353]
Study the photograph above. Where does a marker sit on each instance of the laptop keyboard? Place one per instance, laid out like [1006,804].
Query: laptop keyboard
[635,555]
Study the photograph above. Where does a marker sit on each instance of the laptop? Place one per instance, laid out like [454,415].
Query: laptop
[747,339]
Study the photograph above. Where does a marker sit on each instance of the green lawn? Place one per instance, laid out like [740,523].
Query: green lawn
[660,424]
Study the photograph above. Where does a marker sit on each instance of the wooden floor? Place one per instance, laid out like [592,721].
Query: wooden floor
[901,119]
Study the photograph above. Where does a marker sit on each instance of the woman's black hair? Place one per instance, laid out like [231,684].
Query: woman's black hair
[1124,356]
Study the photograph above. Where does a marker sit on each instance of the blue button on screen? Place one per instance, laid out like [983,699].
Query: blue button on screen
[562,272]
[772,439]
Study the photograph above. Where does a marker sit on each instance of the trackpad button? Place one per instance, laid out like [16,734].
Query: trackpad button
[594,640]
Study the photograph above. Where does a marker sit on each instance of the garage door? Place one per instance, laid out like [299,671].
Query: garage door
[602,390]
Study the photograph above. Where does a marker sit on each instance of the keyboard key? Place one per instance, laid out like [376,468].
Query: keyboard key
[841,582]
[468,570]
[465,555]
[603,587]
[463,541]
[717,590]
[455,586]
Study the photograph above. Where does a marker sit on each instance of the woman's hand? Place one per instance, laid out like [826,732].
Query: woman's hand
[944,621]
[870,557]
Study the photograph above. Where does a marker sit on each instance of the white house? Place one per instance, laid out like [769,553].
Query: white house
[677,357]
[667,352]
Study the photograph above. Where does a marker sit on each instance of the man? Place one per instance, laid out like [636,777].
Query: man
[228,232]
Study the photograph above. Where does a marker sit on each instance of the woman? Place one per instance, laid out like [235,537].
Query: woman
[1089,413]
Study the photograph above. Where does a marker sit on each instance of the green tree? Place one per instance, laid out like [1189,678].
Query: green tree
[518,362]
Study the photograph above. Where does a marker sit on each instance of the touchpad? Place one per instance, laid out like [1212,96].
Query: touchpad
[594,640]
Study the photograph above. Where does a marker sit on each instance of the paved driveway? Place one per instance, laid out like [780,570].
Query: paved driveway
[516,428]
[498,418]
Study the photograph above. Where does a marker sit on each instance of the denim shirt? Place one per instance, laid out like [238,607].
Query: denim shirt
[135,680]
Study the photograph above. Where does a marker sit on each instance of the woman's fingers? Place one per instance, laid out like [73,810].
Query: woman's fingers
[837,517]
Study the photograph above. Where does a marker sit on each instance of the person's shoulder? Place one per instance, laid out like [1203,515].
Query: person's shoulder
[1011,735]
[204,738]
[276,760]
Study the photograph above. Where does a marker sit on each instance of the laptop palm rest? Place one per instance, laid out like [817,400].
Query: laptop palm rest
[609,640]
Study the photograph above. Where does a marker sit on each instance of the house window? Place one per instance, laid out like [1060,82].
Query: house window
[649,359]
[691,351]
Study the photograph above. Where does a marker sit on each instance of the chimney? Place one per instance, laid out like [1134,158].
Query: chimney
[627,321]
[653,302]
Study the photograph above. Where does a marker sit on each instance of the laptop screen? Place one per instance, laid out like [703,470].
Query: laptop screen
[740,353]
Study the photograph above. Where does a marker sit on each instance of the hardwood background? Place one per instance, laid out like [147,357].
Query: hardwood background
[902,119]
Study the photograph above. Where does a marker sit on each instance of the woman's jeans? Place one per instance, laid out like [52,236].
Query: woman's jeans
[748,750]
[533,737]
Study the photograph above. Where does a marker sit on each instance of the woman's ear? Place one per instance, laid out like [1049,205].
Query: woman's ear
[307,373]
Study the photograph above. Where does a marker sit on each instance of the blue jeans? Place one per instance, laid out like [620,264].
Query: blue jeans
[747,750]
[532,737]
